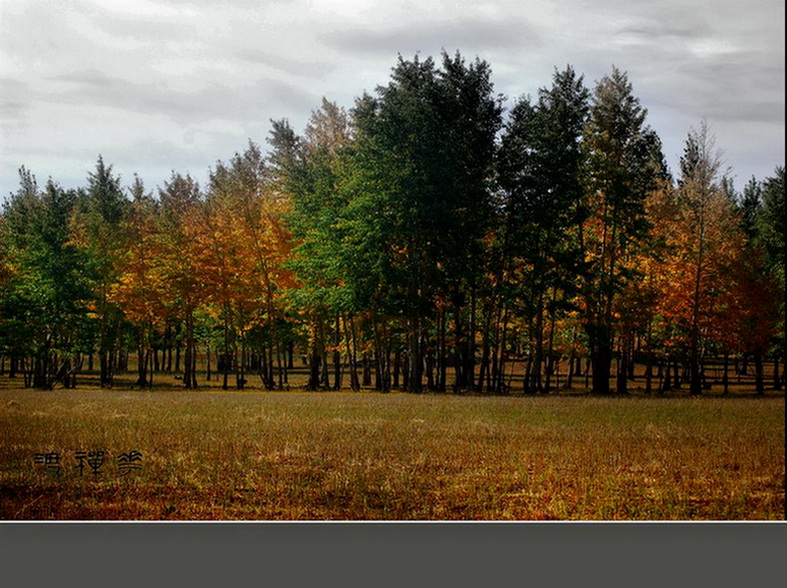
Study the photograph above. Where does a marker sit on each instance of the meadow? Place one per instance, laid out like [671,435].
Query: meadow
[225,455]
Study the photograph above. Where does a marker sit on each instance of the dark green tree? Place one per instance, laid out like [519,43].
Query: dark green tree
[97,228]
[624,161]
[541,173]
[750,205]
[45,293]
[421,199]
[770,228]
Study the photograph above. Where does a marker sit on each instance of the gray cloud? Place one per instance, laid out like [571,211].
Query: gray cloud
[307,69]
[470,34]
[157,85]
[212,101]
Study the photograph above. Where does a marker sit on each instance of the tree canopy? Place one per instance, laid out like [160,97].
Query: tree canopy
[424,238]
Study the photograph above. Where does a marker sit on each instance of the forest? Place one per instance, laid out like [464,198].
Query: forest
[426,239]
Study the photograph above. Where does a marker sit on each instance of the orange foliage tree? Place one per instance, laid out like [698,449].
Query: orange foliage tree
[140,287]
[244,244]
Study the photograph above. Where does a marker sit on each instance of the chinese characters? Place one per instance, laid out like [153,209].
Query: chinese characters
[126,463]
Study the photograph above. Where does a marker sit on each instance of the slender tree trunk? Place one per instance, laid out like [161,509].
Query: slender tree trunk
[538,362]
[460,350]
[484,369]
[189,360]
[470,370]
[622,375]
[415,371]
[551,342]
[349,338]
[397,366]
[502,386]
[442,350]
[759,375]
[323,354]
[208,372]
[337,358]
[570,371]
[600,358]
[315,355]
[149,366]
[142,380]
[241,363]
[225,364]
[648,362]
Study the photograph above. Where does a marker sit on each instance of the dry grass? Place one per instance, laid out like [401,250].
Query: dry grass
[318,456]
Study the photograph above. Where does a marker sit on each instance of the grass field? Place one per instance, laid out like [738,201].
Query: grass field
[360,456]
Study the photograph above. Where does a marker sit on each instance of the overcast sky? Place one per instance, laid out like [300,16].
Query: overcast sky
[162,85]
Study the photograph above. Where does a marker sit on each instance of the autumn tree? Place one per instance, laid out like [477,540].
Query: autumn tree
[140,291]
[709,238]
[179,260]
[245,246]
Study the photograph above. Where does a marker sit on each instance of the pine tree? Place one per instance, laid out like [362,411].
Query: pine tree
[624,162]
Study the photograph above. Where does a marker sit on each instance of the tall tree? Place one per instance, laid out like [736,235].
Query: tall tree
[45,293]
[246,244]
[421,166]
[180,200]
[541,172]
[140,291]
[750,205]
[96,227]
[624,161]
[771,230]
[318,205]
[707,235]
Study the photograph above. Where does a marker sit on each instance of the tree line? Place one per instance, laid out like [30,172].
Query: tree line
[425,239]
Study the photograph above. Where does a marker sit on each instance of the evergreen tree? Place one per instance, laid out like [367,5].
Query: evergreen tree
[420,169]
[45,291]
[624,162]
[541,173]
[97,228]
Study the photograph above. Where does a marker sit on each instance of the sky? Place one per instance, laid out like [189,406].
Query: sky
[156,86]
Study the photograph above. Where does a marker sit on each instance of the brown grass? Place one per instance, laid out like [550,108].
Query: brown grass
[319,456]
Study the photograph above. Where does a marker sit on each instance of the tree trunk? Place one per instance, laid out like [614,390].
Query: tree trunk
[337,358]
[600,358]
[189,359]
[442,358]
[777,383]
[622,375]
[695,377]
[415,371]
[315,355]
[759,375]
[460,350]
[142,380]
[349,338]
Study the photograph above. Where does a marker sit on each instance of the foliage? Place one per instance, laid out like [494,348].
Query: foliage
[420,231]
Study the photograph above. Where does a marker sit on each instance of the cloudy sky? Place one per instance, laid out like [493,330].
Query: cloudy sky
[162,85]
